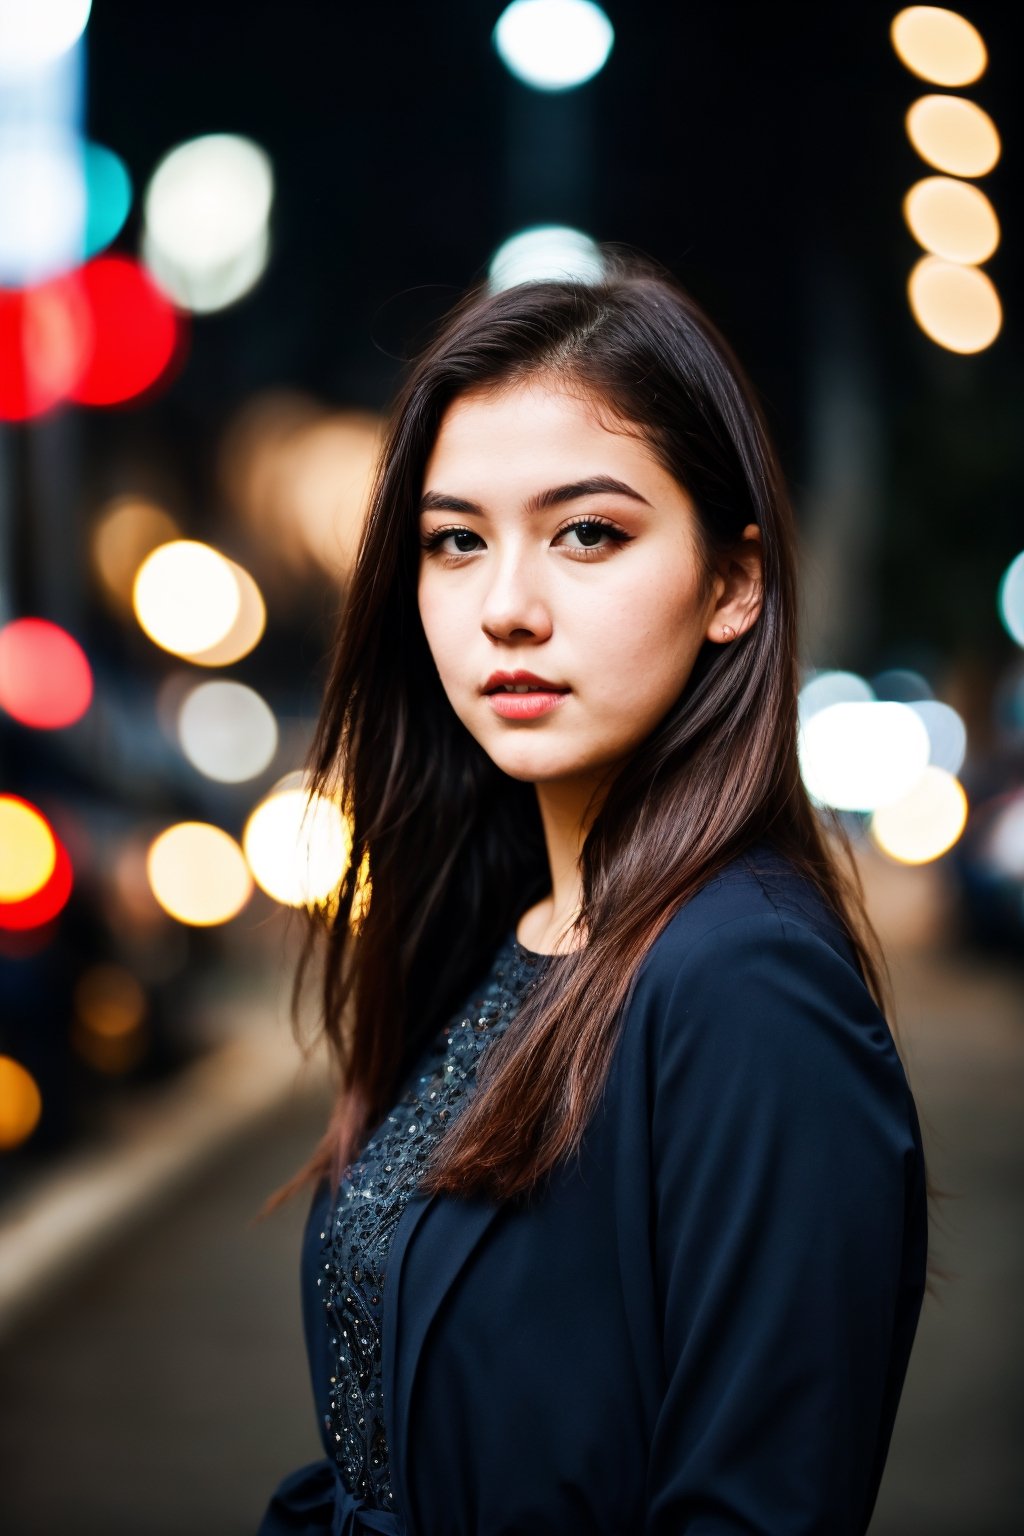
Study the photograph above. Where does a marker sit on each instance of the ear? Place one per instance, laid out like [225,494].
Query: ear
[738,587]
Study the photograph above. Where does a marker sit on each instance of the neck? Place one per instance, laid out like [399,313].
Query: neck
[566,813]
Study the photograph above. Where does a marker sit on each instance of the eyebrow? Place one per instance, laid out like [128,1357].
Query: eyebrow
[557,496]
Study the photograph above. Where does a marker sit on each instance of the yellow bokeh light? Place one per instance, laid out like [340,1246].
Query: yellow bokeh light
[938,45]
[109,1000]
[952,219]
[245,633]
[198,874]
[298,846]
[954,135]
[956,306]
[186,596]
[21,1103]
[28,851]
[126,531]
[925,823]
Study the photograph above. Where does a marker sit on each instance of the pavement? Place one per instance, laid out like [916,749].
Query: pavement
[152,1375]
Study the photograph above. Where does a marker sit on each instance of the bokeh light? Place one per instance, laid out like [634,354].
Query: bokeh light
[45,902]
[136,332]
[323,485]
[1004,837]
[124,532]
[545,251]
[947,734]
[828,687]
[1010,600]
[198,874]
[298,846]
[35,32]
[109,1000]
[952,219]
[938,45]
[861,755]
[21,1103]
[925,822]
[902,684]
[553,45]
[956,306]
[46,343]
[246,629]
[28,849]
[207,207]
[186,596]
[45,678]
[954,135]
[227,731]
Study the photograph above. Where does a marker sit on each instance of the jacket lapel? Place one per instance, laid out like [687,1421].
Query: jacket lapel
[433,1240]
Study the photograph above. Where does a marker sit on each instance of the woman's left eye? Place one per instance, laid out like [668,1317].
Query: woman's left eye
[590,530]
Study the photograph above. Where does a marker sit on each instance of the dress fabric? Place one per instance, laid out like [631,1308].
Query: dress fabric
[355,1236]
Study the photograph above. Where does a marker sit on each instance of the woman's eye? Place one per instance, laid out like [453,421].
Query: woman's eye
[591,532]
[435,540]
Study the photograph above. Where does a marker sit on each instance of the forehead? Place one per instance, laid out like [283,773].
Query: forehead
[530,431]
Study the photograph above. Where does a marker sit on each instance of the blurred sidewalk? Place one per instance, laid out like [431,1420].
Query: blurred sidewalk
[159,1387]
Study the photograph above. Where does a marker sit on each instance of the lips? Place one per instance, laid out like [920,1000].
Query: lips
[500,682]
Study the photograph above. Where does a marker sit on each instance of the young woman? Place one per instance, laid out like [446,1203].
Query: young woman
[620,1223]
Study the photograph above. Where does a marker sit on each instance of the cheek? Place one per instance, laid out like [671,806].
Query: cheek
[442,625]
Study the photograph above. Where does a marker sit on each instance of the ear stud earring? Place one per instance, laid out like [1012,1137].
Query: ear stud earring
[728,632]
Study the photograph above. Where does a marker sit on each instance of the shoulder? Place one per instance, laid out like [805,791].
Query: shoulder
[759,891]
[755,974]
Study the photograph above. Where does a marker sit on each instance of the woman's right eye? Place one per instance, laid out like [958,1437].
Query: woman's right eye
[432,541]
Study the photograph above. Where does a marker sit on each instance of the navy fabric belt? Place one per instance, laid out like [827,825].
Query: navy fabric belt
[313,1501]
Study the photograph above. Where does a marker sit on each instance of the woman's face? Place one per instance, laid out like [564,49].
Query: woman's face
[553,545]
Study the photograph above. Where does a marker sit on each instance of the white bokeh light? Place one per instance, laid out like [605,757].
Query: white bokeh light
[946,732]
[185,596]
[207,206]
[858,756]
[553,45]
[1011,599]
[824,688]
[297,846]
[227,731]
[35,32]
[546,251]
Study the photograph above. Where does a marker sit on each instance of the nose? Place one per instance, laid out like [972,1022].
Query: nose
[514,605]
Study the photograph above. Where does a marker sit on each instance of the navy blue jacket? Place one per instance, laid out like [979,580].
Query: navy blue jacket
[703,1325]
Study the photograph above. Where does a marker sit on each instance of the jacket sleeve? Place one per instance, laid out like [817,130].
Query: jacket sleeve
[784,1151]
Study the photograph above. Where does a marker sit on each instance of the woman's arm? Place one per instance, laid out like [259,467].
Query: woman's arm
[785,1161]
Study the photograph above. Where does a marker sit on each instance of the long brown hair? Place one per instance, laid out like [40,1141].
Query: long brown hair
[454,848]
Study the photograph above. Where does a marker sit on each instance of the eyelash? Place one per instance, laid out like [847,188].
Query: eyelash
[431,542]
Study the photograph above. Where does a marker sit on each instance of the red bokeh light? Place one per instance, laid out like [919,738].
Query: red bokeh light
[136,331]
[46,340]
[45,677]
[44,904]
[100,335]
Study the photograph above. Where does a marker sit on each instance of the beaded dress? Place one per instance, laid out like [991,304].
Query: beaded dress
[356,1233]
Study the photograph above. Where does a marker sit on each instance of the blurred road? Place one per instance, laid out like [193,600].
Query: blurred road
[163,1391]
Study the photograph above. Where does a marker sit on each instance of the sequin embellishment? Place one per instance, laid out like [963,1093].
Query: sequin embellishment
[370,1203]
